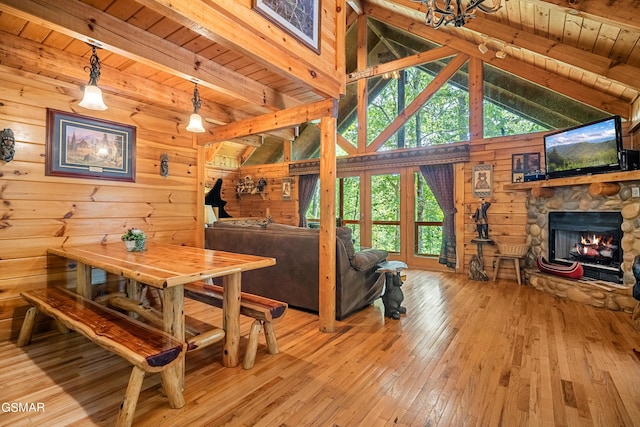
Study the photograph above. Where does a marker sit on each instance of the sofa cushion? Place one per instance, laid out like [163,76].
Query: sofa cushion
[368,258]
[344,234]
[235,225]
[291,228]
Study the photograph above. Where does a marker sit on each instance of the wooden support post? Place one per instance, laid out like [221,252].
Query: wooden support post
[327,297]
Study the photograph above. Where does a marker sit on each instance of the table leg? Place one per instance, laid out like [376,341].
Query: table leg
[83,280]
[174,323]
[231,321]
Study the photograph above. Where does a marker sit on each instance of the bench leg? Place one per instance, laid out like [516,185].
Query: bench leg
[128,405]
[29,324]
[172,387]
[270,336]
[252,346]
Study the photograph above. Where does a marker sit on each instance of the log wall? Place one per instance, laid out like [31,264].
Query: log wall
[256,205]
[40,211]
[507,216]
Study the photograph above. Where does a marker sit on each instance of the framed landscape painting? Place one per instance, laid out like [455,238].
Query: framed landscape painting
[300,18]
[85,147]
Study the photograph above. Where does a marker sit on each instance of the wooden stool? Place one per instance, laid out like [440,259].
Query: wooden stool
[516,263]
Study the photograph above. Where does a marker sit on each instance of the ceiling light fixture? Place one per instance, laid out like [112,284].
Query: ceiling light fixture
[445,12]
[195,120]
[92,99]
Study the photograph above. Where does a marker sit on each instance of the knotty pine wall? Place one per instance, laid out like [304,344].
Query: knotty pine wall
[507,215]
[40,211]
[254,205]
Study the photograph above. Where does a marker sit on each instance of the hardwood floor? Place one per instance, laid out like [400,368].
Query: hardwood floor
[467,353]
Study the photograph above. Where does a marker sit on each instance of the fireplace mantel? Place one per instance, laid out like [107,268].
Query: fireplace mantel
[575,180]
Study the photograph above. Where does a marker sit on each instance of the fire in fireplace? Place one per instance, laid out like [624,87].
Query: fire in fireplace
[591,238]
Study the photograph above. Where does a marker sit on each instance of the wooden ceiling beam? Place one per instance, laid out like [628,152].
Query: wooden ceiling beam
[624,74]
[278,120]
[218,21]
[91,25]
[609,68]
[399,64]
[356,5]
[20,53]
[405,19]
[443,77]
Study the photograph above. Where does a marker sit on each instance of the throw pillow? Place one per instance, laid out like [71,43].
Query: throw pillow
[344,234]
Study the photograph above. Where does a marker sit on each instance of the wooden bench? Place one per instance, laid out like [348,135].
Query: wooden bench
[265,311]
[146,348]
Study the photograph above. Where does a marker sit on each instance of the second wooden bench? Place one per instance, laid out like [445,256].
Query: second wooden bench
[265,311]
[146,348]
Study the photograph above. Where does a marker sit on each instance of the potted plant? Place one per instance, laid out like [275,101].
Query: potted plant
[134,239]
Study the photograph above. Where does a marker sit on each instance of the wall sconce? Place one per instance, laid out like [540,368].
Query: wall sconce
[195,120]
[7,145]
[501,54]
[92,94]
[164,165]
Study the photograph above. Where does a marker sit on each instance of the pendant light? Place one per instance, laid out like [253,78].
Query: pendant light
[195,120]
[92,94]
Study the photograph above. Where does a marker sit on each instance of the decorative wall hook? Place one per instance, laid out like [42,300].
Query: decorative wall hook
[164,165]
[7,145]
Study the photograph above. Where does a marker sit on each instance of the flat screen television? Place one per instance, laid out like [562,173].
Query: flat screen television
[586,149]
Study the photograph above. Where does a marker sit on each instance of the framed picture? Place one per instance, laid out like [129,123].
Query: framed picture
[526,167]
[300,18]
[517,168]
[85,147]
[286,188]
[482,181]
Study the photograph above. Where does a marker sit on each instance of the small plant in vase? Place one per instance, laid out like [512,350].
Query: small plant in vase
[134,239]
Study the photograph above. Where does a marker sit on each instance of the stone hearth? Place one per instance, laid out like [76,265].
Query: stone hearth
[577,198]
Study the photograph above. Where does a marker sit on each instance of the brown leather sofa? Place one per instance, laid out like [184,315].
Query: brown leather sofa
[295,277]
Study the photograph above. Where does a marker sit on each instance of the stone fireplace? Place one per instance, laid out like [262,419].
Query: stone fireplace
[583,217]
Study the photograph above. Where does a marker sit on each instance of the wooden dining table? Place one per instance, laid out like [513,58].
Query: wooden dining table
[170,267]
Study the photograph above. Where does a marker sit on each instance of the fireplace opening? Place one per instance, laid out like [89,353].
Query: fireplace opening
[591,238]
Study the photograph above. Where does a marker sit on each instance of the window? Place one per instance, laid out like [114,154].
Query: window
[428,220]
[385,212]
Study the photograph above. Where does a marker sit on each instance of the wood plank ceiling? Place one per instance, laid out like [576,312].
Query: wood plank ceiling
[592,43]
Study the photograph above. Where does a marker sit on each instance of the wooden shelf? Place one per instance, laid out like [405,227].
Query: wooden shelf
[575,180]
[261,193]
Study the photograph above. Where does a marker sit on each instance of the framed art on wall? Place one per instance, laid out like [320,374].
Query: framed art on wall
[286,188]
[86,147]
[526,167]
[300,18]
[482,181]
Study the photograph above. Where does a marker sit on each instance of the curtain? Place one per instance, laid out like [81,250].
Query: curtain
[306,189]
[440,179]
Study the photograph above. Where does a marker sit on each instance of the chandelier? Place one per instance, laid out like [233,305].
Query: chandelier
[447,12]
